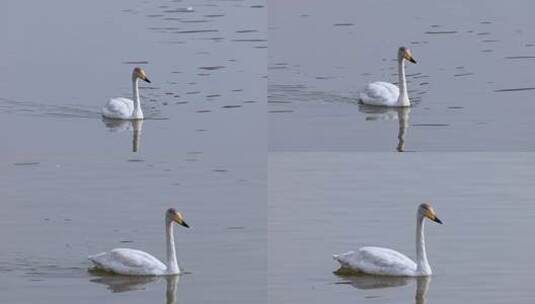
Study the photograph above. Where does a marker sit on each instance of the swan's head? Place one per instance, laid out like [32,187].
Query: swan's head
[140,73]
[425,210]
[405,53]
[174,216]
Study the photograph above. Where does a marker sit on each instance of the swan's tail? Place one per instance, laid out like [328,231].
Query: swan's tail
[97,260]
[344,259]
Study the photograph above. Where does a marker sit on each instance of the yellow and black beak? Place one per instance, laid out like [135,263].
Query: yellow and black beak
[181,222]
[409,58]
[436,220]
[146,79]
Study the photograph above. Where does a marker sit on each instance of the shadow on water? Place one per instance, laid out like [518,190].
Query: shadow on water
[117,125]
[119,283]
[367,282]
[385,113]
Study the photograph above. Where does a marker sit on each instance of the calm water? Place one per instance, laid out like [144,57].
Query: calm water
[472,88]
[325,203]
[71,184]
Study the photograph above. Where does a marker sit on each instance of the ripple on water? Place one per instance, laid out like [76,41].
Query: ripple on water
[135,160]
[462,74]
[281,111]
[195,31]
[519,57]
[136,62]
[212,68]
[440,32]
[180,10]
[249,40]
[430,125]
[514,89]
[31,163]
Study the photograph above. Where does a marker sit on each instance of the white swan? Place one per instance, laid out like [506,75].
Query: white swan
[124,108]
[386,94]
[135,262]
[384,261]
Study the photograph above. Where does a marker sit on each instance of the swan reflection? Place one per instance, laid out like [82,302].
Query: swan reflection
[385,113]
[119,283]
[366,282]
[117,125]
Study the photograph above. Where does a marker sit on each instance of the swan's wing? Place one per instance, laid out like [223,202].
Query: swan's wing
[386,261]
[119,107]
[376,260]
[380,94]
[129,262]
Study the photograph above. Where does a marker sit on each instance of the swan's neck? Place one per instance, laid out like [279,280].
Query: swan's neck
[422,264]
[403,99]
[137,113]
[172,265]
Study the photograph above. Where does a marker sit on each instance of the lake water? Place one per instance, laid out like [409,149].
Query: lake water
[74,185]
[472,89]
[326,203]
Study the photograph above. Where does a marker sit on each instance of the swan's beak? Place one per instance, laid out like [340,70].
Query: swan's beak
[437,220]
[147,79]
[181,222]
[411,59]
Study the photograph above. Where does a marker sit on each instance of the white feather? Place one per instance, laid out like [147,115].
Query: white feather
[378,261]
[119,108]
[128,262]
[380,94]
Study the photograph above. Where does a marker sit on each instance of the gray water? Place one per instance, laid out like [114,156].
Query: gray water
[326,203]
[72,184]
[472,88]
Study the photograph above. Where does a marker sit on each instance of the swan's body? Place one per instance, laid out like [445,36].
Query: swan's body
[384,261]
[124,108]
[387,94]
[127,261]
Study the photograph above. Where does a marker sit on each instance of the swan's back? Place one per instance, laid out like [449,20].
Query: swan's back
[380,94]
[118,108]
[128,262]
[377,260]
